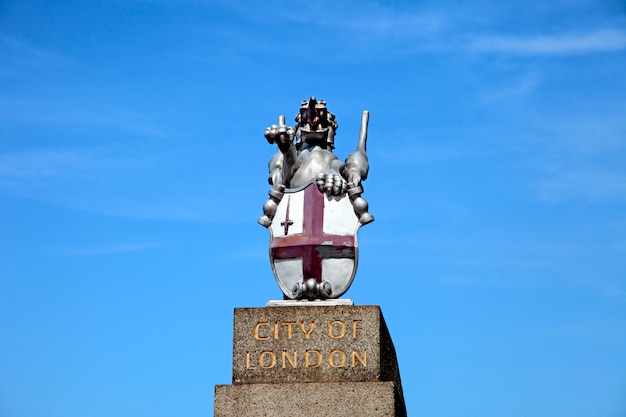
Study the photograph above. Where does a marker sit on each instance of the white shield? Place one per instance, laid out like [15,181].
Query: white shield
[313,235]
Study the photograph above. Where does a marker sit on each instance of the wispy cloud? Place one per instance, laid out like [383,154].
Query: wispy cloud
[27,51]
[371,30]
[40,166]
[577,152]
[351,30]
[106,250]
[371,19]
[611,330]
[582,43]
[78,114]
[363,16]
[513,89]
[101,181]
[595,185]
[147,207]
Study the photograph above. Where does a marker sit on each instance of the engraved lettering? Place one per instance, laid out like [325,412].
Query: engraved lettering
[289,324]
[262,361]
[292,361]
[256,334]
[275,330]
[307,333]
[333,326]
[331,358]
[357,357]
[355,327]
[248,361]
[307,361]
[313,358]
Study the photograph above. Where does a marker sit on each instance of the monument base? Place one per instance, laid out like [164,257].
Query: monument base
[312,359]
[313,399]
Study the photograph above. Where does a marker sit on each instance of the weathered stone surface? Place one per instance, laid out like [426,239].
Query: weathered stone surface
[308,360]
[350,399]
[312,344]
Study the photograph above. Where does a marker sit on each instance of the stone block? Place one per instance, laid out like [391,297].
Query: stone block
[347,399]
[312,360]
[312,344]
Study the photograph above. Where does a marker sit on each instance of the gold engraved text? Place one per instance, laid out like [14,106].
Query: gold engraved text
[292,361]
[312,358]
[248,361]
[264,363]
[336,329]
[307,358]
[276,330]
[332,356]
[356,327]
[289,324]
[307,333]
[361,359]
[255,332]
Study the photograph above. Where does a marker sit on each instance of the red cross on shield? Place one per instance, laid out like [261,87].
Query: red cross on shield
[314,236]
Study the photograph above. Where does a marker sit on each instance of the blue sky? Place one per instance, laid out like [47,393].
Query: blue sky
[133,169]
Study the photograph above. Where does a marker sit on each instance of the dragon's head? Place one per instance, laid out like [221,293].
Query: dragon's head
[315,124]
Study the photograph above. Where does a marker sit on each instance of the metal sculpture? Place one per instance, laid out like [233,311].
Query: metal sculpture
[315,206]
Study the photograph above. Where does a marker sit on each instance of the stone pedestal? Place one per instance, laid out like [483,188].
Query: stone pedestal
[311,361]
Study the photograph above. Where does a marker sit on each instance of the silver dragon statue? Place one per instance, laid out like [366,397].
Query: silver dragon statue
[315,206]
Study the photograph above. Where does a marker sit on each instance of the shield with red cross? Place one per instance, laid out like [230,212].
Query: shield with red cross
[313,236]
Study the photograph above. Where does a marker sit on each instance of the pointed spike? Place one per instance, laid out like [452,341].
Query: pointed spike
[362,146]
